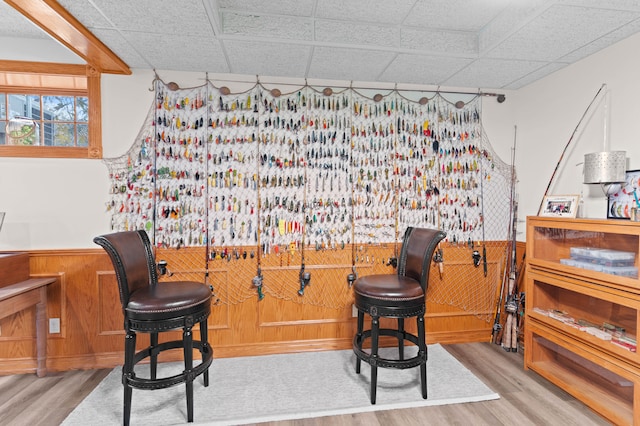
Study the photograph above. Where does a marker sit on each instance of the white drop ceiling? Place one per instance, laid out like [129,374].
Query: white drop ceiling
[500,44]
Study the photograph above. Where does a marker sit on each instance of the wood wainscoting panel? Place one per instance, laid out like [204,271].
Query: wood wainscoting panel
[14,267]
[85,298]
[220,318]
[110,316]
[17,327]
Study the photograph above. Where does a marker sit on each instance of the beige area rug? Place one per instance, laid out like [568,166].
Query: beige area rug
[282,387]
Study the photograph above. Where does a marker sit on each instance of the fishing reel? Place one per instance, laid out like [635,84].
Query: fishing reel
[512,304]
[162,268]
[214,297]
[439,259]
[305,278]
[477,257]
[257,283]
[352,277]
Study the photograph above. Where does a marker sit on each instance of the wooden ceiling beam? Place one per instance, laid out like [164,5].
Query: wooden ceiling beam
[61,25]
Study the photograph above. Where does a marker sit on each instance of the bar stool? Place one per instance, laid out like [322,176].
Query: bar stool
[400,295]
[152,307]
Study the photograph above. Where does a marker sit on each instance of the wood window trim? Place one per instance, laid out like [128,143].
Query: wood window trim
[32,74]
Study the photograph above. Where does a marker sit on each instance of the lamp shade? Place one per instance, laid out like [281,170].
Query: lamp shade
[605,167]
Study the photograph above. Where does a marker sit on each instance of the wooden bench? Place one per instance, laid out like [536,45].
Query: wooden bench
[17,296]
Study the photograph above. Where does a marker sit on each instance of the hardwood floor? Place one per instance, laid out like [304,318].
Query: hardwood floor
[525,398]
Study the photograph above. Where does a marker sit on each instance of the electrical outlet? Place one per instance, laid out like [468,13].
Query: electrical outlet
[54,325]
[354,311]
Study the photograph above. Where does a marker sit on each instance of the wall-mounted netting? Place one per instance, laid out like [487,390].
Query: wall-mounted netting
[250,175]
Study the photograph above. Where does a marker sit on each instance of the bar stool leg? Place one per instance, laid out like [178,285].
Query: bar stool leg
[401,338]
[204,338]
[127,373]
[187,338]
[359,338]
[422,348]
[153,357]
[375,328]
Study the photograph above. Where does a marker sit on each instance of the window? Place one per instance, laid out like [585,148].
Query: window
[51,120]
[49,114]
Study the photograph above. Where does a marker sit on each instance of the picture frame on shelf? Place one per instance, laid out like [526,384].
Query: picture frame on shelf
[560,206]
[624,203]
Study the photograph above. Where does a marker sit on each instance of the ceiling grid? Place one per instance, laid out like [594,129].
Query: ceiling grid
[478,44]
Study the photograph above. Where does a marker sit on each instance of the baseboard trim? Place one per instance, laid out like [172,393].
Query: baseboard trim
[113,359]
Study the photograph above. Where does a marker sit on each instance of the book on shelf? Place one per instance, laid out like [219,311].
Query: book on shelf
[623,344]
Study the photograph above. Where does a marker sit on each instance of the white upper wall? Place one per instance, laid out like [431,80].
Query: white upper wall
[58,203]
[548,113]
[36,50]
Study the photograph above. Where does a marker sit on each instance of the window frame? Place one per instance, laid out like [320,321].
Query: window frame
[35,74]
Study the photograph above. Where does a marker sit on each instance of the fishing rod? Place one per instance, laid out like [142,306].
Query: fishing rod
[508,276]
[484,241]
[555,170]
[208,251]
[258,280]
[303,277]
[584,114]
[511,304]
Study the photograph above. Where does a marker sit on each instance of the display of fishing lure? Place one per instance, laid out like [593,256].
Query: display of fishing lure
[262,168]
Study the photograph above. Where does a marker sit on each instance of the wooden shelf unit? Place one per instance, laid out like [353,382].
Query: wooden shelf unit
[603,375]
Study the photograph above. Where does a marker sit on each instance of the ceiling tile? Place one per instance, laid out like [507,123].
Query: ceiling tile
[389,12]
[535,75]
[484,73]
[263,58]
[189,17]
[179,52]
[463,15]
[401,41]
[121,47]
[602,42]
[357,34]
[280,7]
[14,24]
[449,42]
[630,5]
[336,63]
[86,13]
[509,21]
[285,27]
[574,26]
[419,68]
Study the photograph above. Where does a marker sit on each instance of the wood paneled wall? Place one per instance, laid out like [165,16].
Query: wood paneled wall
[85,298]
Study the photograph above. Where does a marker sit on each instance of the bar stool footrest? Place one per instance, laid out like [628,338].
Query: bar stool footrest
[415,361]
[165,382]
